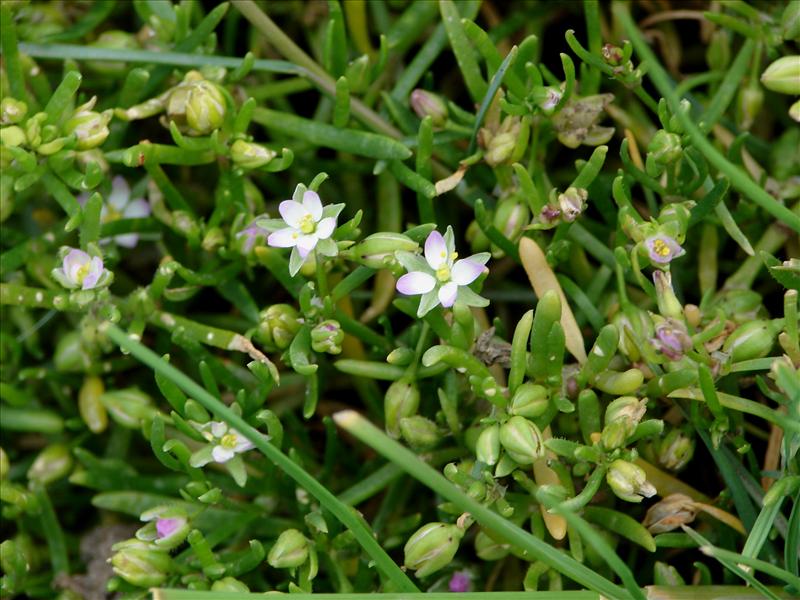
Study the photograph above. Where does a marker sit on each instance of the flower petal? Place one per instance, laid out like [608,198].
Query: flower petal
[221,454]
[73,261]
[127,240]
[313,204]
[305,244]
[218,428]
[465,271]
[325,228]
[136,209]
[292,212]
[243,444]
[448,293]
[415,283]
[435,250]
[120,193]
[283,238]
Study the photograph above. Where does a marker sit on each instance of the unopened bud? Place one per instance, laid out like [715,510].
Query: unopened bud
[672,339]
[665,148]
[251,156]
[783,75]
[377,251]
[419,432]
[52,463]
[629,409]
[752,340]
[401,400]
[290,550]
[205,108]
[530,400]
[501,145]
[487,448]
[118,40]
[668,304]
[614,435]
[749,103]
[230,584]
[572,203]
[511,216]
[12,111]
[89,127]
[522,440]
[432,547]
[327,337]
[612,55]
[140,563]
[278,325]
[672,512]
[629,481]
[675,450]
[718,54]
[427,104]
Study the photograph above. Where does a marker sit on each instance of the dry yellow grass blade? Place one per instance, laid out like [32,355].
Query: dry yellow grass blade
[544,475]
[543,279]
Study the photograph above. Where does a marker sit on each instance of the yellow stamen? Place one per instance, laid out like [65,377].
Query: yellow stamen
[443,273]
[228,441]
[661,248]
[307,224]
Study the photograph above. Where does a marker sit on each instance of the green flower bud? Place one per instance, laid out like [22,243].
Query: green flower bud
[205,108]
[530,400]
[500,145]
[511,216]
[748,104]
[129,407]
[377,251]
[141,563]
[251,156]
[230,584]
[419,432]
[487,448]
[783,75]
[278,326]
[327,337]
[489,549]
[401,400]
[33,129]
[118,40]
[52,463]
[432,547]
[167,527]
[12,111]
[665,148]
[12,136]
[675,450]
[752,340]
[522,440]
[629,481]
[427,104]
[674,219]
[614,435]
[668,304]
[572,202]
[4,464]
[628,409]
[91,128]
[718,54]
[92,410]
[289,551]
[740,306]
[794,111]
[70,355]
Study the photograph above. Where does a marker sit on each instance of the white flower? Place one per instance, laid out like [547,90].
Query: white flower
[225,442]
[119,205]
[80,271]
[440,278]
[306,226]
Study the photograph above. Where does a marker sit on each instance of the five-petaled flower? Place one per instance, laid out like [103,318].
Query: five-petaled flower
[225,442]
[119,205]
[439,278]
[306,226]
[79,270]
[662,249]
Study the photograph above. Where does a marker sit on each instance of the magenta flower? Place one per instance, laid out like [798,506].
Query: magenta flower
[439,278]
[672,339]
[662,249]
[166,527]
[80,271]
[460,582]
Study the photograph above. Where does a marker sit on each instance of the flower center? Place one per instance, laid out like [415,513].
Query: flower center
[443,273]
[307,224]
[112,214]
[661,248]
[82,272]
[228,441]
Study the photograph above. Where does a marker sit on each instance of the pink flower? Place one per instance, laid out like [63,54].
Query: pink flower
[166,527]
[460,582]
[80,271]
[662,249]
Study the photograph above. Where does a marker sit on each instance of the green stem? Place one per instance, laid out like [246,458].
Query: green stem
[342,512]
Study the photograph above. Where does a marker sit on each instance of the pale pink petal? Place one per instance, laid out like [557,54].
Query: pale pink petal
[127,240]
[325,228]
[283,238]
[306,243]
[136,209]
[218,428]
[415,283]
[436,250]
[243,444]
[120,193]
[292,212]
[313,204]
[221,454]
[448,293]
[465,271]
[73,261]
[95,270]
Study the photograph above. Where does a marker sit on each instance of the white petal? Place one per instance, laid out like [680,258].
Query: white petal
[243,444]
[120,193]
[415,283]
[95,270]
[465,271]
[284,238]
[127,240]
[218,428]
[313,204]
[325,228]
[73,261]
[292,212]
[221,454]
[136,209]
[305,244]
[435,250]
[448,293]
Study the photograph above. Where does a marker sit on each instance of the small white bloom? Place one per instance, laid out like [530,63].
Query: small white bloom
[119,205]
[306,226]
[225,442]
[80,271]
[440,278]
